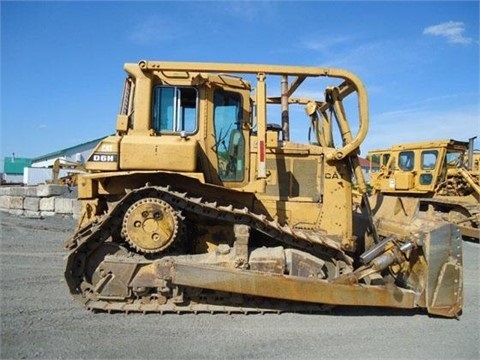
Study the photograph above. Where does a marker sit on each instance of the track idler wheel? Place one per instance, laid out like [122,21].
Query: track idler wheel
[150,225]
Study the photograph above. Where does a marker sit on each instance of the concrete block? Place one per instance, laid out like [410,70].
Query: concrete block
[16,212]
[32,214]
[77,208]
[15,202]
[30,191]
[47,204]
[45,190]
[63,205]
[4,202]
[17,191]
[4,190]
[31,204]
[47,213]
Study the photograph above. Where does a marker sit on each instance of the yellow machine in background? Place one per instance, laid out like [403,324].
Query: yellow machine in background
[200,201]
[72,168]
[443,174]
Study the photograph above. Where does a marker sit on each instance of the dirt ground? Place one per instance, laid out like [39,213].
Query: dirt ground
[39,320]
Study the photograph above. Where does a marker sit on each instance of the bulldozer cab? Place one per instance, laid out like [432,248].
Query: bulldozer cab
[417,167]
[170,132]
[204,121]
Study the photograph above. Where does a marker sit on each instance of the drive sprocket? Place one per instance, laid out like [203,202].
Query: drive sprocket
[150,225]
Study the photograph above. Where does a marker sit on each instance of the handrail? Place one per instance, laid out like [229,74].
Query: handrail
[352,83]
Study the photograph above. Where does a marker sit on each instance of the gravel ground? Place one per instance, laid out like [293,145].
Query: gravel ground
[40,320]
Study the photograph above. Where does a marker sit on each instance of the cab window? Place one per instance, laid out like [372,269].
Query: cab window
[385,158]
[229,140]
[174,109]
[454,159]
[406,160]
[429,159]
[378,160]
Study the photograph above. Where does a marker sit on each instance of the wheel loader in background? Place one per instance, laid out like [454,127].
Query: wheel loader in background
[443,174]
[201,203]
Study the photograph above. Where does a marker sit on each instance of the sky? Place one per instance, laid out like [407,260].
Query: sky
[62,61]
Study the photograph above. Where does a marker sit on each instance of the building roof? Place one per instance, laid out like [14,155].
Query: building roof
[14,165]
[62,152]
[365,163]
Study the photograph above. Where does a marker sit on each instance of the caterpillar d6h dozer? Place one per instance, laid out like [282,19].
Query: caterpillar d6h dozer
[443,174]
[198,204]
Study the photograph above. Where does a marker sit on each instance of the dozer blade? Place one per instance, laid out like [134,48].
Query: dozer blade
[444,286]
[440,285]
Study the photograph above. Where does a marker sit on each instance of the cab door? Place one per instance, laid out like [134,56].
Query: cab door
[228,136]
[404,178]
[427,174]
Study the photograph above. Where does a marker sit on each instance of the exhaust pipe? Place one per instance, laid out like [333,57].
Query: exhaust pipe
[470,153]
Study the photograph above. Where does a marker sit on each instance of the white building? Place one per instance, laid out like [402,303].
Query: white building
[40,170]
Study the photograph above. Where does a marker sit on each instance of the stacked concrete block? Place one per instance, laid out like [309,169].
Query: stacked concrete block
[31,207]
[77,209]
[47,206]
[63,206]
[4,202]
[52,190]
[15,202]
[38,201]
[31,203]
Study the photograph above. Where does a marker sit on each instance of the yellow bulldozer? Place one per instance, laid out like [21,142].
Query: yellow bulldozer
[200,202]
[443,174]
